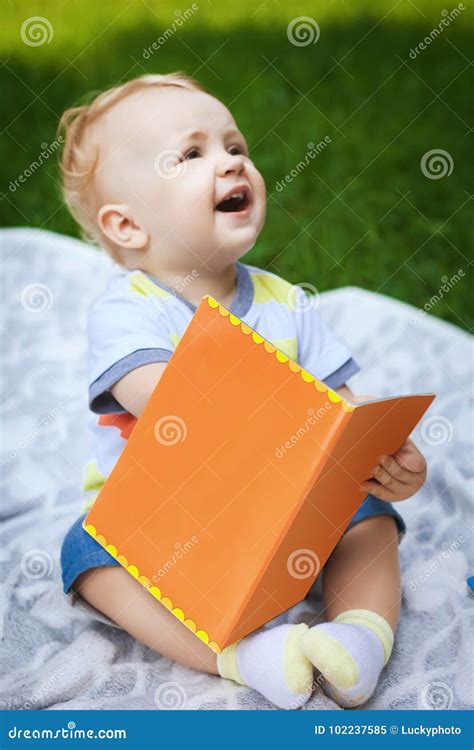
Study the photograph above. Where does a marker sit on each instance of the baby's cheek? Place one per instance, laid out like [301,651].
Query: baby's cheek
[259,185]
[260,200]
[197,195]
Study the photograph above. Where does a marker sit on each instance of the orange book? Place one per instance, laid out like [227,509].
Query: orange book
[239,478]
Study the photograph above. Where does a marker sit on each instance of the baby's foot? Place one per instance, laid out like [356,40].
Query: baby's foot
[271,662]
[350,653]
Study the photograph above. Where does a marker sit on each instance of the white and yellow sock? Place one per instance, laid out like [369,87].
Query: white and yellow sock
[350,652]
[271,662]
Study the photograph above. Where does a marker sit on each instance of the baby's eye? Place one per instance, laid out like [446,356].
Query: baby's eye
[236,150]
[192,154]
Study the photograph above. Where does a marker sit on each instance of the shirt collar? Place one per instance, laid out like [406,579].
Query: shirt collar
[243,298]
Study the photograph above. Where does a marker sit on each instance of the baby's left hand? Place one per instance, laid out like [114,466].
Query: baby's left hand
[399,476]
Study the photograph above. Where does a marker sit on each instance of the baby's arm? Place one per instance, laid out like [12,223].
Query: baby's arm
[133,391]
[396,477]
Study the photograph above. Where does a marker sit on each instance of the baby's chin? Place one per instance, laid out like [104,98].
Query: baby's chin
[237,240]
[231,249]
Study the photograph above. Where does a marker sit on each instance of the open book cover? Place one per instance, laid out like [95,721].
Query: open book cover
[239,478]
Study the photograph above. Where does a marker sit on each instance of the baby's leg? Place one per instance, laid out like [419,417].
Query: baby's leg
[361,593]
[364,571]
[121,597]
[270,661]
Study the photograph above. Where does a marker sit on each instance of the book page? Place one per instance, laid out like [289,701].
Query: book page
[355,399]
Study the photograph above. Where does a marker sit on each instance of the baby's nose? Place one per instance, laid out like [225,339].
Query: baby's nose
[232,163]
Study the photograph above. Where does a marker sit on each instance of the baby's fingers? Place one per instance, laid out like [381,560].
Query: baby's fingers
[383,476]
[377,489]
[391,467]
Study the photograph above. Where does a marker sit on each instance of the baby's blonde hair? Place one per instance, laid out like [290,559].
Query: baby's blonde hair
[79,156]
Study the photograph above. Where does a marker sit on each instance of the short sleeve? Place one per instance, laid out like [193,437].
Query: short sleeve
[125,331]
[320,352]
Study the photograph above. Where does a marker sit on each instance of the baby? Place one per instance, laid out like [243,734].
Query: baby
[157,172]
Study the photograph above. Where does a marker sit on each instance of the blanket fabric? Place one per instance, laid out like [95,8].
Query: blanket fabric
[55,656]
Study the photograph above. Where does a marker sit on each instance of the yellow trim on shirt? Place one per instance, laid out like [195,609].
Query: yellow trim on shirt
[267,287]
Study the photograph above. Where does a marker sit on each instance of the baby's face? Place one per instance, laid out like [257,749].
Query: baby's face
[174,156]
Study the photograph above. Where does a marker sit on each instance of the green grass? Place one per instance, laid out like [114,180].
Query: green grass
[361,212]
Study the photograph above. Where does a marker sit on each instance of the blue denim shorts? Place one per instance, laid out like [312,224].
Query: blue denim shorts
[80,552]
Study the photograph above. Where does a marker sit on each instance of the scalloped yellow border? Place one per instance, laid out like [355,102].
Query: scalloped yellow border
[280,356]
[154,590]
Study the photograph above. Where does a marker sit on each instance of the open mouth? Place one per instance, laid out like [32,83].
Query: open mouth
[236,201]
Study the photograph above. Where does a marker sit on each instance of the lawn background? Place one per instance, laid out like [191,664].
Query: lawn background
[362,212]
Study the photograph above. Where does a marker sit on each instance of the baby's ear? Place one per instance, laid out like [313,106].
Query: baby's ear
[117,223]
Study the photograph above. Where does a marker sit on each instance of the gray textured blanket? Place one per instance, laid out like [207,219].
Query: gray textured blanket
[56,656]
